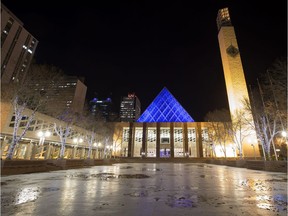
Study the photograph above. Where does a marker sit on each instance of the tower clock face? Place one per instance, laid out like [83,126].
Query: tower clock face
[232,51]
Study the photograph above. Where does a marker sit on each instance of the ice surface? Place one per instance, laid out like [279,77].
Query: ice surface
[146,189]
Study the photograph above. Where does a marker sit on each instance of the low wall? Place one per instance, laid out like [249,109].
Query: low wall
[12,167]
[272,166]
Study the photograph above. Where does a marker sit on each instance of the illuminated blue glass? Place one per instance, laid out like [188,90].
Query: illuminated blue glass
[165,108]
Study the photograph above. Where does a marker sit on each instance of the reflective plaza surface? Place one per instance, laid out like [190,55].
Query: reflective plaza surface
[146,189]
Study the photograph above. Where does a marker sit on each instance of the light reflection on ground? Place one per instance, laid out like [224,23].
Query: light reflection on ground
[27,194]
[146,189]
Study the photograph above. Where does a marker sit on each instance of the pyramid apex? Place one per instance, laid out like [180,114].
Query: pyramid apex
[165,108]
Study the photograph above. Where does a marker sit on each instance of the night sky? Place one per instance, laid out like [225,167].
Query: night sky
[145,46]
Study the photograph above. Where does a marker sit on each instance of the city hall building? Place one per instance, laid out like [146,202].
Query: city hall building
[166,130]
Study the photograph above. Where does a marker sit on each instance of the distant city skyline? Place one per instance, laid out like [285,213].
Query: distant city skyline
[133,47]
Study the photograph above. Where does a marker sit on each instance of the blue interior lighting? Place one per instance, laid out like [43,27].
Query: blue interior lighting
[165,108]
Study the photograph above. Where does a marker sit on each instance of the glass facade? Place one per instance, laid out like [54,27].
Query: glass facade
[165,108]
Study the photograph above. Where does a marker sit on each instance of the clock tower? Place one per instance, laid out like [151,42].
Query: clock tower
[235,80]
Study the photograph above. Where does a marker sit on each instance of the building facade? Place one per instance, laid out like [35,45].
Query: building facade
[17,47]
[41,140]
[130,108]
[68,93]
[166,130]
[172,140]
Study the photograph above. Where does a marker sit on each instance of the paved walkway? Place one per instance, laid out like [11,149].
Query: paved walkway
[146,190]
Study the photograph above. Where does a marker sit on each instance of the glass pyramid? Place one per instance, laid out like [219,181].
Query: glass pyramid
[165,108]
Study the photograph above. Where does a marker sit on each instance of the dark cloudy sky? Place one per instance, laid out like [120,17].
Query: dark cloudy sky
[145,46]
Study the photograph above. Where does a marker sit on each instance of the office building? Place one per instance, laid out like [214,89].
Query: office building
[68,93]
[130,108]
[102,109]
[17,47]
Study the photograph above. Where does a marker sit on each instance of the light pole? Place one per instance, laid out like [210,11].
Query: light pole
[99,151]
[284,135]
[42,135]
[254,151]
[76,140]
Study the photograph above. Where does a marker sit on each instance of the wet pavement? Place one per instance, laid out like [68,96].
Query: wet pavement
[146,189]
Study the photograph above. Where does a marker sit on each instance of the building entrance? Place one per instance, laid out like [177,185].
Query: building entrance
[164,153]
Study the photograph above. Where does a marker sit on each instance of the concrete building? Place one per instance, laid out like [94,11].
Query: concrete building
[70,92]
[41,141]
[17,47]
[130,108]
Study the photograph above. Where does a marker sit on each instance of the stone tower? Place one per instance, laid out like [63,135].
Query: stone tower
[235,79]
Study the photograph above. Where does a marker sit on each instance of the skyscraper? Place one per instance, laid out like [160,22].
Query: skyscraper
[130,108]
[102,109]
[17,47]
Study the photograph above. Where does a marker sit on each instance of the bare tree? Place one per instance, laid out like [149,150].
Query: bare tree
[68,118]
[28,95]
[241,128]
[269,106]
[220,127]
[91,122]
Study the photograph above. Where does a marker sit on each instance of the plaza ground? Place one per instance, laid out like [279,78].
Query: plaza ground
[146,189]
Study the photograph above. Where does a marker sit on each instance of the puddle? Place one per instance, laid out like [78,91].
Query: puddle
[182,202]
[137,176]
[255,185]
[126,167]
[137,194]
[152,170]
[104,176]
[49,189]
[109,176]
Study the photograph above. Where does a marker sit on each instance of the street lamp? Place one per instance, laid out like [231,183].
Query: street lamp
[253,145]
[42,135]
[99,151]
[108,152]
[254,150]
[77,141]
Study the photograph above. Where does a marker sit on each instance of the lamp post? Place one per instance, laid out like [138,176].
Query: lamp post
[284,136]
[42,136]
[254,150]
[76,140]
[253,141]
